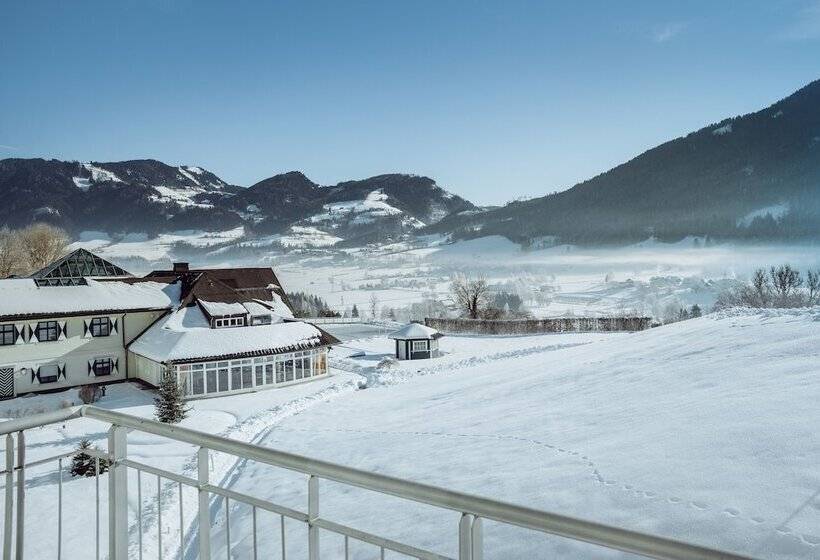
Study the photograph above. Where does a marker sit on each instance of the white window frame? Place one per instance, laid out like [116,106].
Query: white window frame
[269,367]
[423,348]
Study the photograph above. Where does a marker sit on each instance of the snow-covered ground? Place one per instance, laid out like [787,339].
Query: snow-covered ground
[704,430]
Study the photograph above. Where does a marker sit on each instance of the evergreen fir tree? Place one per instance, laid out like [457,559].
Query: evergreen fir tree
[355,311]
[82,464]
[169,405]
[695,312]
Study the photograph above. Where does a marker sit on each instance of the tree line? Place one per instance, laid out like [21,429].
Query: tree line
[777,287]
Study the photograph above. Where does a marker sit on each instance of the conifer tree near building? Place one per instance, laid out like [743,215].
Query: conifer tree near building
[169,405]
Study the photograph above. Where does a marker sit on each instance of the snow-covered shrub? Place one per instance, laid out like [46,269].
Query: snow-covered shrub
[387,363]
[90,393]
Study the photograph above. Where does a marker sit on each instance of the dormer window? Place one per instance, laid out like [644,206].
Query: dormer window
[229,322]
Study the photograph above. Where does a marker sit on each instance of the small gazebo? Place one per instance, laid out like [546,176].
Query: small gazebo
[416,342]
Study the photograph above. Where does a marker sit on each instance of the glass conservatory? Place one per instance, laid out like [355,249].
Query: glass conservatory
[214,378]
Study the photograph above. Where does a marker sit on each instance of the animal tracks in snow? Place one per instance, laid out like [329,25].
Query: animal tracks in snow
[597,476]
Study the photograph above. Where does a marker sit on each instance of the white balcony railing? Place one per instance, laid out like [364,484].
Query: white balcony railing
[473,509]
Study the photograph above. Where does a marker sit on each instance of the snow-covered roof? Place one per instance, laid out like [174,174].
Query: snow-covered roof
[256,309]
[22,297]
[186,335]
[414,331]
[220,309]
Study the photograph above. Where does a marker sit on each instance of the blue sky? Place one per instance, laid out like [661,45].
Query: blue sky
[495,100]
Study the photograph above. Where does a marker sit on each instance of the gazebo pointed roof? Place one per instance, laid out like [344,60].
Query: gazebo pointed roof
[72,269]
[415,331]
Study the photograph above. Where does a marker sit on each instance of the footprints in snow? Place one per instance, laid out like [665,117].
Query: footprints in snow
[731,512]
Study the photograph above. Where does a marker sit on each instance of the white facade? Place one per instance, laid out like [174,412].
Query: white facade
[61,332]
[58,352]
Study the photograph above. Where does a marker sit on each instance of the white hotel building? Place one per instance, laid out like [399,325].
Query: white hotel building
[83,320]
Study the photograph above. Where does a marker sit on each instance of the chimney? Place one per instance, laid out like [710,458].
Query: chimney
[180,267]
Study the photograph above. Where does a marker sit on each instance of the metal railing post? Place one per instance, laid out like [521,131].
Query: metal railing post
[21,493]
[7,524]
[477,544]
[204,500]
[313,514]
[465,538]
[117,494]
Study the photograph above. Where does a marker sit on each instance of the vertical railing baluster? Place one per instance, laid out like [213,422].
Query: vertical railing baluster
[159,517]
[97,507]
[60,509]
[181,526]
[313,514]
[282,529]
[381,553]
[139,514]
[21,493]
[347,547]
[204,512]
[228,525]
[117,494]
[465,537]
[477,539]
[254,532]
[9,512]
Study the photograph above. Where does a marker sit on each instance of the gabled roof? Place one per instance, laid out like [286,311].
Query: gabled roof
[75,267]
[227,285]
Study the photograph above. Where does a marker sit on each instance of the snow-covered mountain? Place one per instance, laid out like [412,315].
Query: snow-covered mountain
[151,197]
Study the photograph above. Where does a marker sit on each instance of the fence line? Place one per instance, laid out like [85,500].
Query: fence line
[537,326]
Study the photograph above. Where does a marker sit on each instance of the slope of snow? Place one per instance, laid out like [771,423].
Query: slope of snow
[703,430]
[98,174]
[721,130]
[161,246]
[776,211]
[297,237]
[82,183]
[181,196]
[362,211]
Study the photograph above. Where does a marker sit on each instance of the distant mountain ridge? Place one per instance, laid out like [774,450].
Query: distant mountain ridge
[153,197]
[755,176]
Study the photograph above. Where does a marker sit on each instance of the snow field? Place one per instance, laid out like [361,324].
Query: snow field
[702,431]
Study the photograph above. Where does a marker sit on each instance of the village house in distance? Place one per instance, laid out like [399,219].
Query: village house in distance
[83,320]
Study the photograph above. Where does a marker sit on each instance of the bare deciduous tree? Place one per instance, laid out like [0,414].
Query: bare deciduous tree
[813,287]
[780,286]
[786,282]
[42,244]
[374,304]
[470,295]
[11,258]
[761,288]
